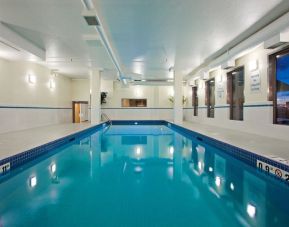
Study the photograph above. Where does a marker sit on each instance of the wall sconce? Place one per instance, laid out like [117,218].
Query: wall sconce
[253,65]
[171,91]
[52,83]
[219,78]
[31,79]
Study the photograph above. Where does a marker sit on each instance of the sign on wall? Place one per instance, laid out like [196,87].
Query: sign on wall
[220,90]
[255,82]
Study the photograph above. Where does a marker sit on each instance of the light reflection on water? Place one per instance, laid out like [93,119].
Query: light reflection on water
[142,176]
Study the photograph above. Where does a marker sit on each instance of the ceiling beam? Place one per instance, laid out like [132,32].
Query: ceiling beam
[19,42]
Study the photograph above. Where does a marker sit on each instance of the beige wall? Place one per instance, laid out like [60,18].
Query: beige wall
[157,96]
[80,90]
[15,90]
[37,104]
[258,111]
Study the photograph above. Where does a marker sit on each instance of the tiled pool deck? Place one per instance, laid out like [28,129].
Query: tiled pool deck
[13,143]
[261,145]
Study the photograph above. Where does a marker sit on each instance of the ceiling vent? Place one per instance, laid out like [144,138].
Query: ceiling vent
[277,40]
[228,65]
[90,17]
[92,40]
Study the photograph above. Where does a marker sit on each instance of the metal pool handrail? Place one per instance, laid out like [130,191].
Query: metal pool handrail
[105,117]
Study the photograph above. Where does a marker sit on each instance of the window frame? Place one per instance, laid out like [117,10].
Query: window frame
[208,93]
[195,100]
[231,93]
[272,85]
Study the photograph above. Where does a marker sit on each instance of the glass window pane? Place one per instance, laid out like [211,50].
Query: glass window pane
[133,102]
[211,104]
[237,94]
[282,90]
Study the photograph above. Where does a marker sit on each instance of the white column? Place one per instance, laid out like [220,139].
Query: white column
[95,97]
[178,98]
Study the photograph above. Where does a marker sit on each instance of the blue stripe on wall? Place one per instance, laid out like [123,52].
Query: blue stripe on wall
[119,108]
[186,108]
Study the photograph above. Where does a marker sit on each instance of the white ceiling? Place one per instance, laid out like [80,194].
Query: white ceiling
[148,36]
[57,27]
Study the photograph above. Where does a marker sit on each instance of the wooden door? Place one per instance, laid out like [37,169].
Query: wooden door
[76,113]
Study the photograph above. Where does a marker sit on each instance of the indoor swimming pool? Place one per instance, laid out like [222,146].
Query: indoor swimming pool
[141,175]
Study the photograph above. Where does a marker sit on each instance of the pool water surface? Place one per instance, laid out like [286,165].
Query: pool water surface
[141,176]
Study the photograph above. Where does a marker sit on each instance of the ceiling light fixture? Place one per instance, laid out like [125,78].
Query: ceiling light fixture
[52,83]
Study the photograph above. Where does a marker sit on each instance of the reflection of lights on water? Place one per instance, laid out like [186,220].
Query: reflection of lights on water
[232,186]
[210,169]
[138,151]
[200,165]
[138,169]
[171,171]
[251,210]
[33,181]
[53,168]
[171,150]
[218,181]
[200,149]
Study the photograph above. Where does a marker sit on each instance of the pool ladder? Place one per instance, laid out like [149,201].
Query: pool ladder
[106,118]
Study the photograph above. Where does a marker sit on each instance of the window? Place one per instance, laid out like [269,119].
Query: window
[235,93]
[281,99]
[278,90]
[195,100]
[133,102]
[210,98]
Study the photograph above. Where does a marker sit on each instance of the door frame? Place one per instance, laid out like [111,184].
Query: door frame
[208,94]
[73,108]
[230,74]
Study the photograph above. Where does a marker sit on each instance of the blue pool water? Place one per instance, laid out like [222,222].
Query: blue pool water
[141,176]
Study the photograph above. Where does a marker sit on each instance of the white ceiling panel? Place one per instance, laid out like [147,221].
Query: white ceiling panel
[148,36]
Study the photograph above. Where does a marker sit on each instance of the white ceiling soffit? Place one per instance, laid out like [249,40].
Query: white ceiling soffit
[248,45]
[148,36]
[184,34]
[11,39]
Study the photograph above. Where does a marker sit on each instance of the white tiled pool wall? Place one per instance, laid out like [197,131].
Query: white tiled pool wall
[13,119]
